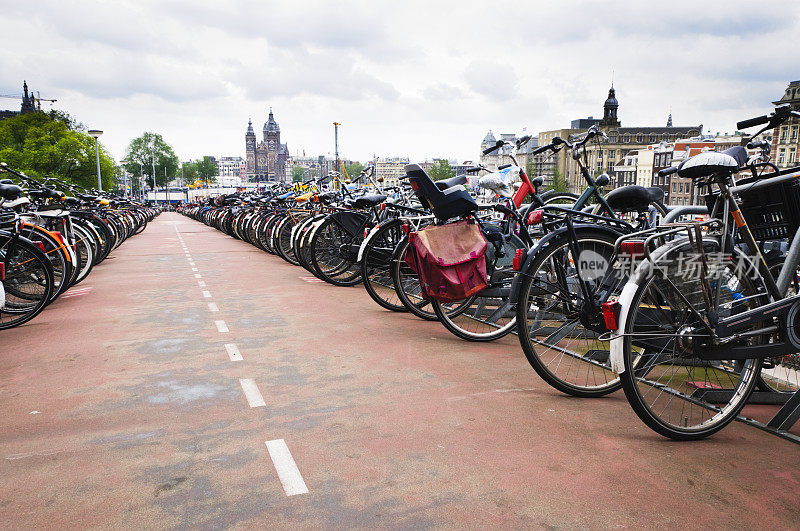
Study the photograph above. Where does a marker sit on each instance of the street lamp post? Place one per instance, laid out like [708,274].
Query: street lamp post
[153,153]
[95,133]
[125,178]
[141,181]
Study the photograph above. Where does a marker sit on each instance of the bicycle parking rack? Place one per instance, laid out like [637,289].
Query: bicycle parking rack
[782,422]
[779,425]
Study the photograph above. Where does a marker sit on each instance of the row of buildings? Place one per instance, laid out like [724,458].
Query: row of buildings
[634,155]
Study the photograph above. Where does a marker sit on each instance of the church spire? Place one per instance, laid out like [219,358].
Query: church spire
[669,120]
[610,109]
[28,103]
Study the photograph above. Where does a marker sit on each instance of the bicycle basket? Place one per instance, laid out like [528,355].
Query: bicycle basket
[772,212]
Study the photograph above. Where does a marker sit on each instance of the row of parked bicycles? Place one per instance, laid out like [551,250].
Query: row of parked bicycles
[687,309]
[49,241]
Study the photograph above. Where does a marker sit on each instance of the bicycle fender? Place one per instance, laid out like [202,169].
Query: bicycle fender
[366,241]
[315,228]
[617,343]
[643,272]
[525,269]
[2,295]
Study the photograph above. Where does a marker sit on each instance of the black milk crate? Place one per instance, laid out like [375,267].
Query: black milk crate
[772,212]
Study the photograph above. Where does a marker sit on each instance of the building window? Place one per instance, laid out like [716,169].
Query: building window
[794,134]
[639,138]
[626,139]
[791,156]
[674,187]
[667,159]
[611,153]
[781,157]
[653,139]
[783,134]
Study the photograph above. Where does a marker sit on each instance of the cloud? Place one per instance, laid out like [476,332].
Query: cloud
[493,80]
[408,78]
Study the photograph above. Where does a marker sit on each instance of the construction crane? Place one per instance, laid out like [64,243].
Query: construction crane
[38,99]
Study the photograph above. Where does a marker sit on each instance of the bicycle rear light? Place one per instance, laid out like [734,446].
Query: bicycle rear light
[632,248]
[406,228]
[535,217]
[611,314]
[414,185]
[382,207]
[2,271]
[519,259]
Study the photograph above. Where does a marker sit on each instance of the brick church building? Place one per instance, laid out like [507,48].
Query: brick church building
[266,160]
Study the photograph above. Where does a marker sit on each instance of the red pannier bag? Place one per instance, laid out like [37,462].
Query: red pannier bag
[450,260]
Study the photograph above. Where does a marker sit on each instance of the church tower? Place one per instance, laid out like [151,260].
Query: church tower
[610,107]
[250,150]
[272,139]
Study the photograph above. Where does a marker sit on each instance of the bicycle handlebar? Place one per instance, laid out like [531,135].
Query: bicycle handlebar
[779,116]
[752,122]
[667,171]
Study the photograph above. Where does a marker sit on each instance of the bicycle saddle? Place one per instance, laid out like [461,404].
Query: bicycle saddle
[10,191]
[87,197]
[710,162]
[369,200]
[327,197]
[634,197]
[452,181]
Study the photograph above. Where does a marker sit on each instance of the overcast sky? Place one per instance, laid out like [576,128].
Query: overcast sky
[419,79]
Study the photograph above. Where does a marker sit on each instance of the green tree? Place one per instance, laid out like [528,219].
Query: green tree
[441,169]
[189,172]
[53,144]
[206,169]
[559,183]
[298,174]
[354,169]
[145,151]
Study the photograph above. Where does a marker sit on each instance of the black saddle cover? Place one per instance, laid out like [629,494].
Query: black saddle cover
[634,197]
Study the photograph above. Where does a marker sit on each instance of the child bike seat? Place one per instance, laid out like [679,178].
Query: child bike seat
[449,203]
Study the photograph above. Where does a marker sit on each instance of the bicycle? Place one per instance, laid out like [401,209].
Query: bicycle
[689,346]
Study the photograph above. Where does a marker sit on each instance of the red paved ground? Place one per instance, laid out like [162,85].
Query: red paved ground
[392,421]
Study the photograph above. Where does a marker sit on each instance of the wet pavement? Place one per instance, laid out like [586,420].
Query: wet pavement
[243,394]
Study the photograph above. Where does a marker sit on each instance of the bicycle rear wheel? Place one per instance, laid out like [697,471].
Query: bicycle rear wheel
[27,284]
[376,265]
[561,347]
[669,384]
[489,315]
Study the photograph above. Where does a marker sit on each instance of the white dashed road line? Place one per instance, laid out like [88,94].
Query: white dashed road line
[201,283]
[252,393]
[286,468]
[221,327]
[233,352]
[197,275]
[212,307]
[207,294]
